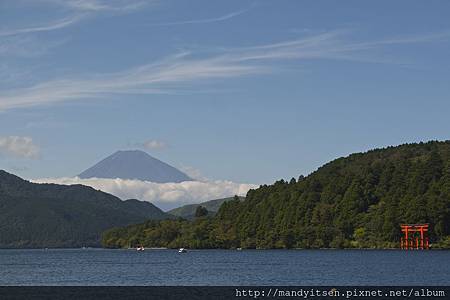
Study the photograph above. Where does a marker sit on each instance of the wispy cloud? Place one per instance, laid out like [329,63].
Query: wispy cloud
[147,79]
[20,41]
[58,24]
[25,46]
[11,75]
[78,10]
[19,146]
[102,5]
[164,195]
[194,173]
[203,21]
[153,145]
[176,71]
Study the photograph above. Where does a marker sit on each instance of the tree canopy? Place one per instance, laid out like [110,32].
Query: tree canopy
[201,212]
[356,201]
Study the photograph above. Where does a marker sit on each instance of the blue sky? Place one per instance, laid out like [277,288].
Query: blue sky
[247,91]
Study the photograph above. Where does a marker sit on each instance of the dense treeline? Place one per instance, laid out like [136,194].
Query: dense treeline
[357,201]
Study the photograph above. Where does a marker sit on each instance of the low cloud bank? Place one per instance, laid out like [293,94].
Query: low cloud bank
[164,195]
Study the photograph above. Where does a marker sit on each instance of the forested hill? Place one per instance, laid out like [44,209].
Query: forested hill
[50,215]
[357,201]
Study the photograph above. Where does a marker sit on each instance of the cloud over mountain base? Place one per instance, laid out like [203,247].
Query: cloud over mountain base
[163,195]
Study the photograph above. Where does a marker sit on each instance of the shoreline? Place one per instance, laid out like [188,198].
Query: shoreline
[225,249]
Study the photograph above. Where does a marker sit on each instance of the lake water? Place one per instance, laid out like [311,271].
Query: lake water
[224,267]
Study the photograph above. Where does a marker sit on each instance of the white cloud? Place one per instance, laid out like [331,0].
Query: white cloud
[203,21]
[194,173]
[79,10]
[163,195]
[58,24]
[145,79]
[20,41]
[101,5]
[19,146]
[25,46]
[174,72]
[153,145]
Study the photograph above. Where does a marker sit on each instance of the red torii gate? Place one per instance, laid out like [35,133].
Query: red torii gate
[410,240]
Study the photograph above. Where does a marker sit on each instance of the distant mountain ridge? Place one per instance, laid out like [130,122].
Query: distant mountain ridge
[50,215]
[188,211]
[135,164]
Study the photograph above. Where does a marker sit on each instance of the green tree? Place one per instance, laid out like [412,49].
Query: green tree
[201,212]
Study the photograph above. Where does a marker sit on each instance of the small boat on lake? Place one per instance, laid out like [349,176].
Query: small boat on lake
[182,250]
[141,248]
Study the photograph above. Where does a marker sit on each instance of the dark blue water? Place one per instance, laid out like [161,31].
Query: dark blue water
[224,267]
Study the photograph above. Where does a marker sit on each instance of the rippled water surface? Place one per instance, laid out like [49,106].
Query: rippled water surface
[224,267]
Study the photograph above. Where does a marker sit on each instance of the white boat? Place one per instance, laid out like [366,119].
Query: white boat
[141,248]
[182,250]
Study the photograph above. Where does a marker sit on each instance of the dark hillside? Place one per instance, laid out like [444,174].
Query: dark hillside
[49,215]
